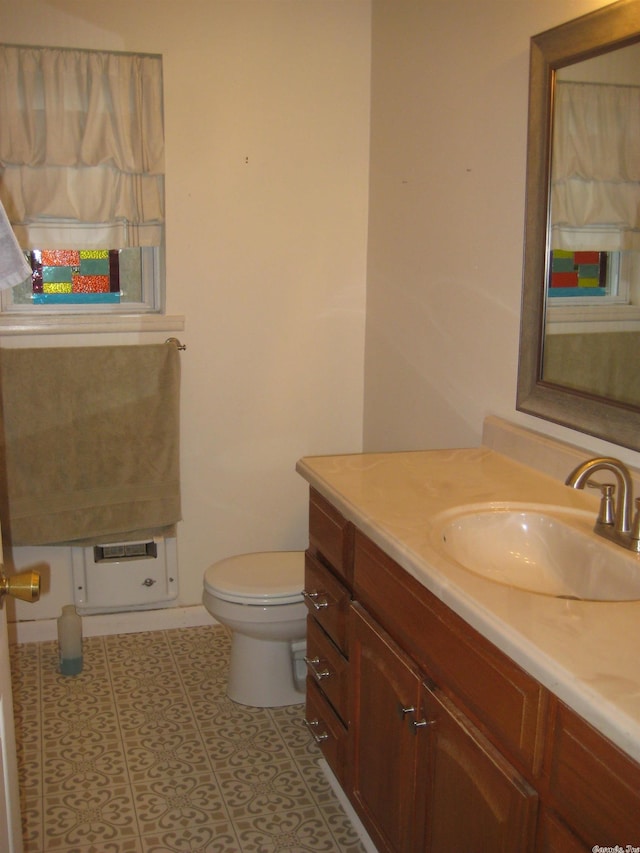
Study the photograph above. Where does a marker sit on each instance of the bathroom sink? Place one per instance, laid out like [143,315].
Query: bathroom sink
[547,552]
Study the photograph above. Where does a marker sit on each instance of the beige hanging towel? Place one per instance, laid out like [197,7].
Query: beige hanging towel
[90,442]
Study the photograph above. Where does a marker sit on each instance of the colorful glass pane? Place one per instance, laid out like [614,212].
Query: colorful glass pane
[578,273]
[72,276]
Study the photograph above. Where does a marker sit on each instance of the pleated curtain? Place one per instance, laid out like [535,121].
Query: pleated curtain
[81,147]
[595,185]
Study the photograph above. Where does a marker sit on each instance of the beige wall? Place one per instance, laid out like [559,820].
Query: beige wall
[265,258]
[448,149]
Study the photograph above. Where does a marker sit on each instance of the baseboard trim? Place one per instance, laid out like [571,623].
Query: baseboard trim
[101,624]
[356,823]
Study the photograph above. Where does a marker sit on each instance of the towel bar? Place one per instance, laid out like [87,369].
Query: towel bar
[176,342]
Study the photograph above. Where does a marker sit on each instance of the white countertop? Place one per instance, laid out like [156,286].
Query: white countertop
[587,653]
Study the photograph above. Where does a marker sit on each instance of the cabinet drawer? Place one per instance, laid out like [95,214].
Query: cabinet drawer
[327,667]
[328,600]
[503,700]
[327,731]
[594,785]
[330,536]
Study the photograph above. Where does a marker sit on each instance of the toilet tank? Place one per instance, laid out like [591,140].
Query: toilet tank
[119,576]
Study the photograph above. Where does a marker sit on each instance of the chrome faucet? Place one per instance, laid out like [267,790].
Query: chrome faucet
[614,520]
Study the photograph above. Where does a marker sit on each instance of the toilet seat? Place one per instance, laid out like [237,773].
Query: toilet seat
[262,578]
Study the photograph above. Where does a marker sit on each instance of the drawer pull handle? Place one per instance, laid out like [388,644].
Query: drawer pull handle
[318,674]
[312,725]
[313,598]
[416,724]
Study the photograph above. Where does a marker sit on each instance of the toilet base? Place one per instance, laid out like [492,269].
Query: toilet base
[261,673]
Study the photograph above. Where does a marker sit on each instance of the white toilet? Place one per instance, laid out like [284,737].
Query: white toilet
[259,598]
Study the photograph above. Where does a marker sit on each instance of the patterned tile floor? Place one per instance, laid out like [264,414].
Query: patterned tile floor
[143,753]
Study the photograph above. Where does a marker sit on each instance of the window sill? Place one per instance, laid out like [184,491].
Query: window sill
[583,319]
[87,324]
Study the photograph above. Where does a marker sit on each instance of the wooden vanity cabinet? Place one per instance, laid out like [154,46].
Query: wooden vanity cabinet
[327,592]
[439,739]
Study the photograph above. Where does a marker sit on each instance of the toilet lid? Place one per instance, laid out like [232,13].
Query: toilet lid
[266,577]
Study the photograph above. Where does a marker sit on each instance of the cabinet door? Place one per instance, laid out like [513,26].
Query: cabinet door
[384,708]
[554,836]
[476,801]
[594,786]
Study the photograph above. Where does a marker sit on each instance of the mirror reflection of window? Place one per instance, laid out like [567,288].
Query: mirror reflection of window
[593,283]
[595,183]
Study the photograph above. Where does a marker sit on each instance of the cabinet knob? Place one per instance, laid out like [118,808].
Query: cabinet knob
[421,724]
[313,664]
[313,599]
[415,724]
[312,725]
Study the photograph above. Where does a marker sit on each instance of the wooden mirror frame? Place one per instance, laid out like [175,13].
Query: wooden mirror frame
[598,32]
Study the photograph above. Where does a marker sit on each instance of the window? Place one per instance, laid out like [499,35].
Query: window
[82,178]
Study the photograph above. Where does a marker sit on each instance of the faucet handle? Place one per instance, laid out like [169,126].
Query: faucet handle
[607,512]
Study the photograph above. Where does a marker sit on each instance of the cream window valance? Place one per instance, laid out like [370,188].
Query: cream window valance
[595,185]
[81,147]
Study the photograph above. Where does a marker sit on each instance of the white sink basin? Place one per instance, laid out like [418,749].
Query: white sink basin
[540,551]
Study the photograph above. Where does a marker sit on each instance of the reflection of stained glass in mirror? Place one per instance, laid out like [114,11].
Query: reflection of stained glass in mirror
[579,273]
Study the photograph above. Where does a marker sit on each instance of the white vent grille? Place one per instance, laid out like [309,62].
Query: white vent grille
[125,551]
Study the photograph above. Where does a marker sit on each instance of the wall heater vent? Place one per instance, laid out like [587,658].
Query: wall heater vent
[114,576]
[124,551]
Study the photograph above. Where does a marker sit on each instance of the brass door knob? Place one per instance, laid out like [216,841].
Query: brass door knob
[24,585]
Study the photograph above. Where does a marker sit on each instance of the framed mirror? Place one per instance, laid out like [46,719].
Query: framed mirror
[579,362]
